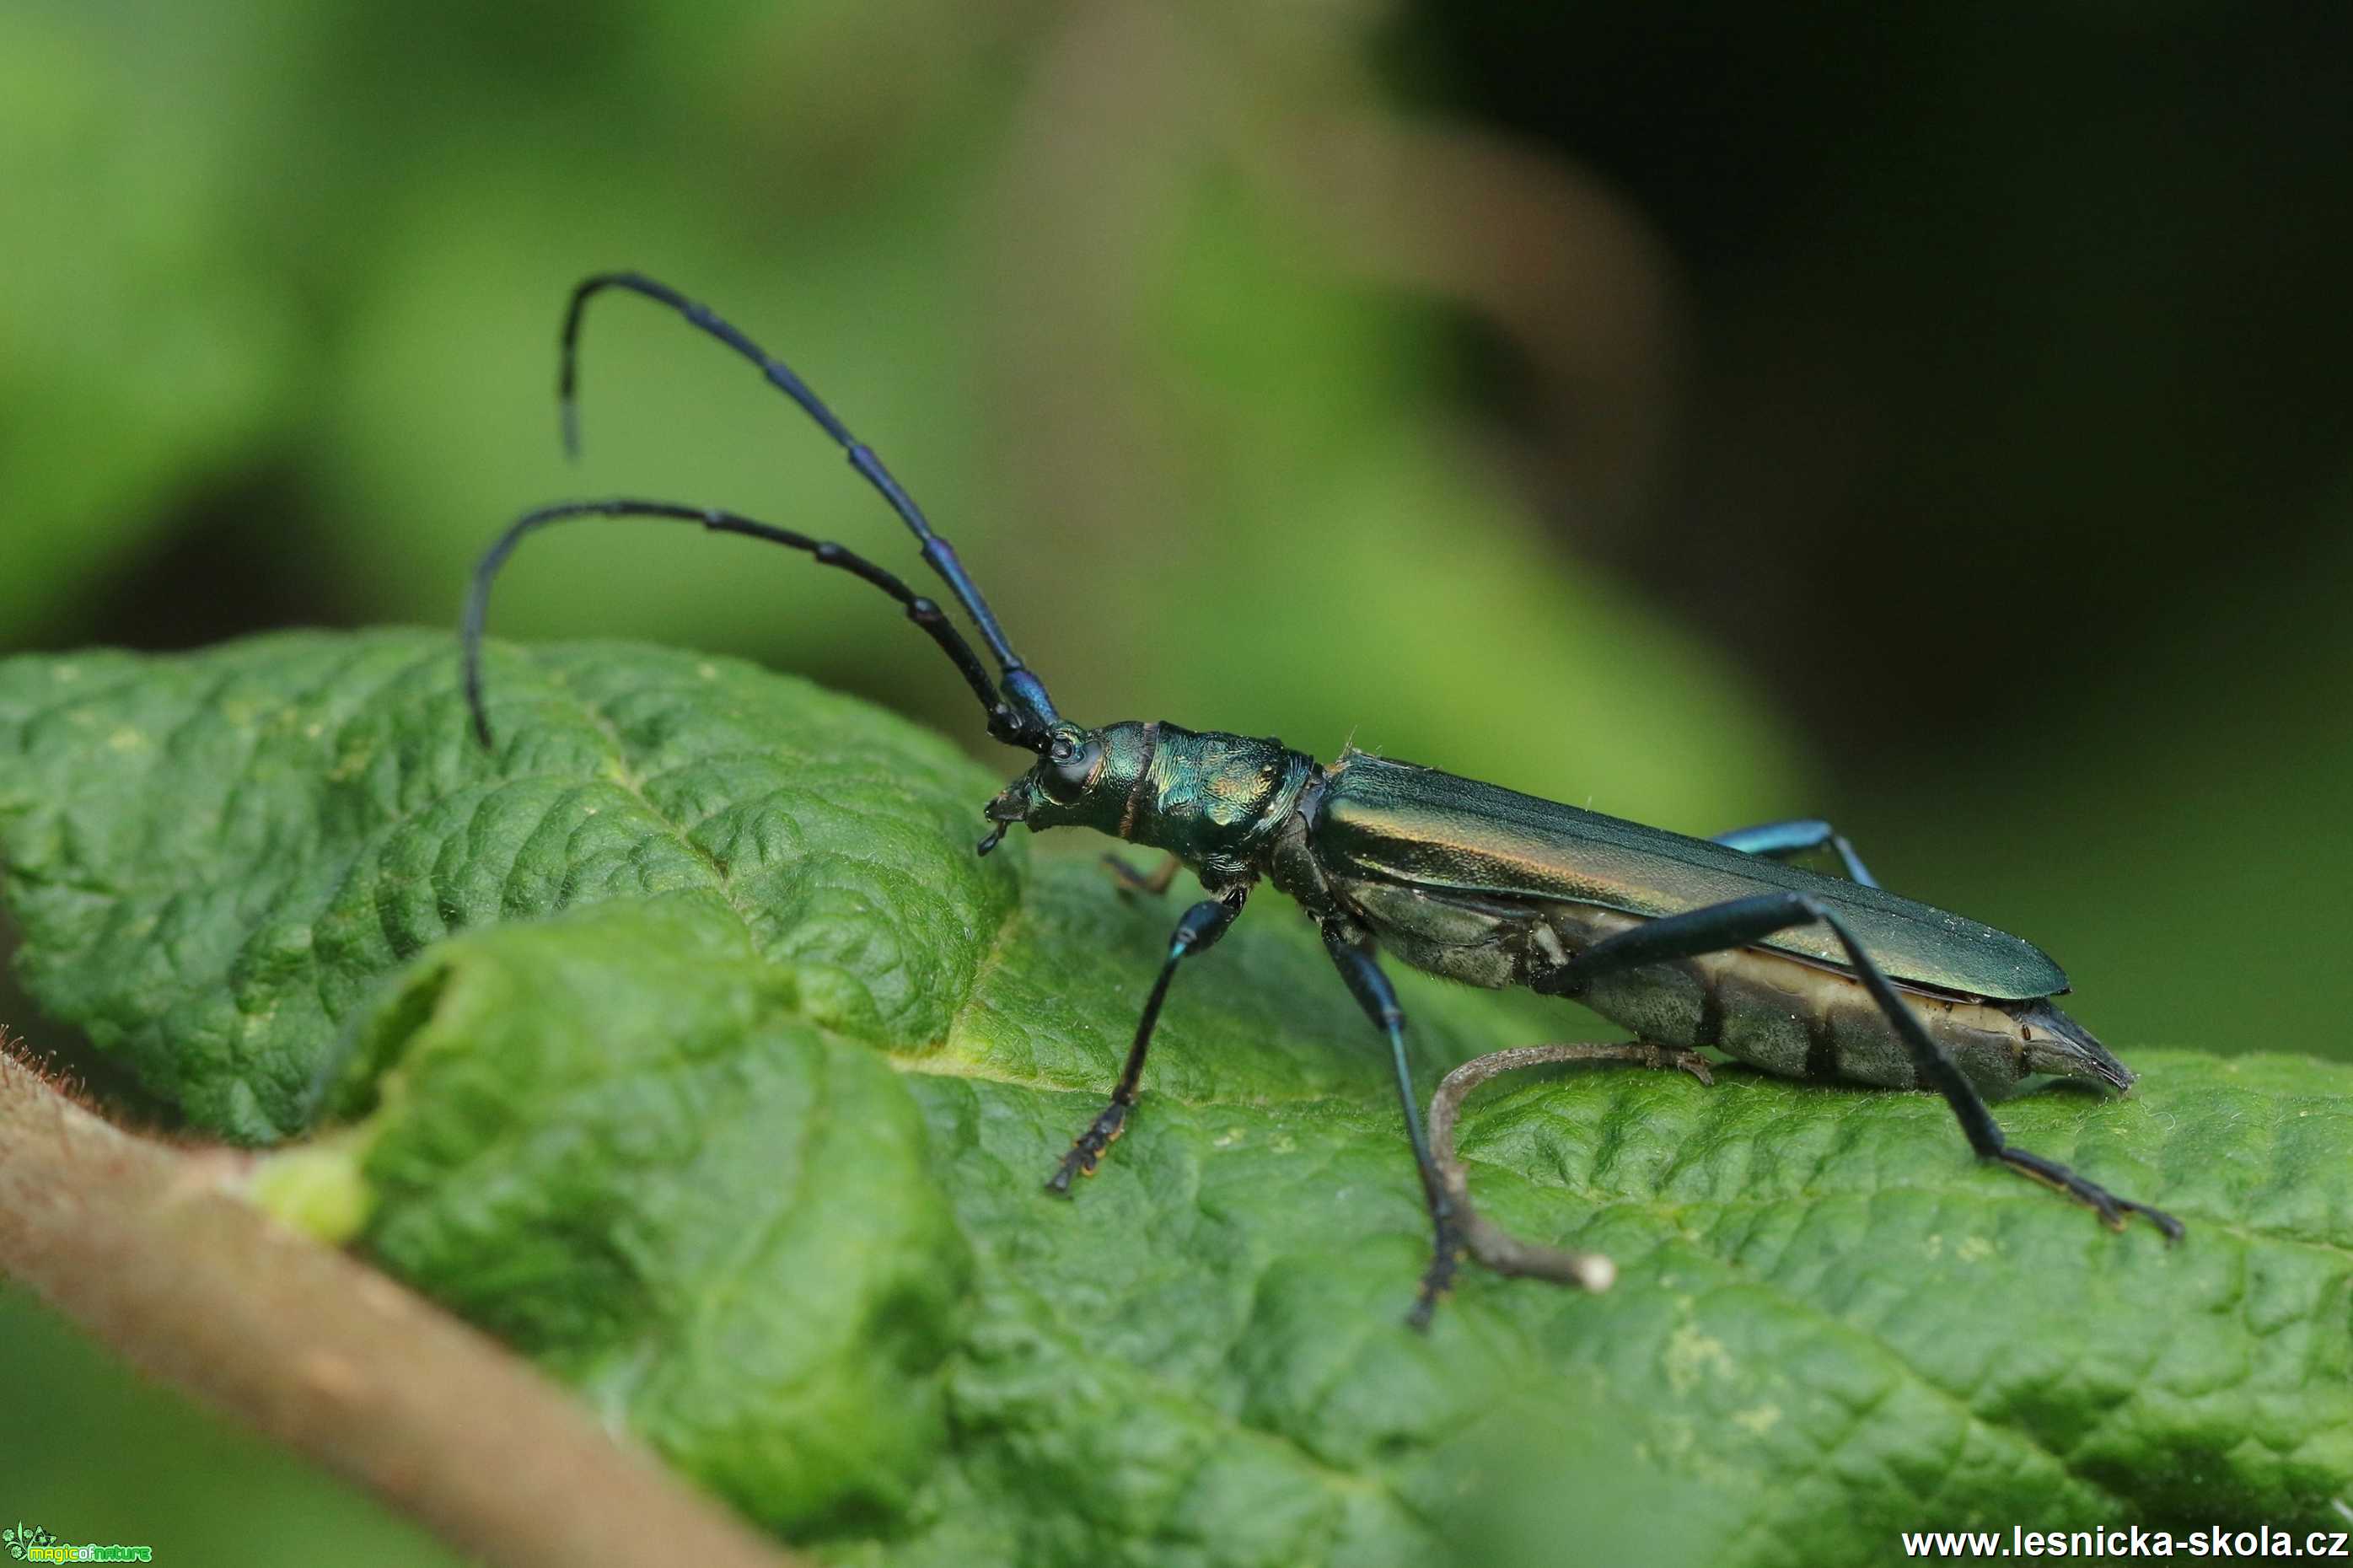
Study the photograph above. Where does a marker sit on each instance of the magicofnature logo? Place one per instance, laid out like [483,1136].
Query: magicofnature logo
[30,1542]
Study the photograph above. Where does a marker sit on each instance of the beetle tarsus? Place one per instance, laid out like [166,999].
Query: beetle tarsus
[1677,1058]
[2112,1210]
[1087,1149]
[1448,1245]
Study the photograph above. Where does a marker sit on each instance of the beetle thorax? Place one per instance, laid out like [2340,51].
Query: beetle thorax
[1211,799]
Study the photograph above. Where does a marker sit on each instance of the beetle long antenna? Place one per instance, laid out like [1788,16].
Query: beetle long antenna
[1032,709]
[1002,721]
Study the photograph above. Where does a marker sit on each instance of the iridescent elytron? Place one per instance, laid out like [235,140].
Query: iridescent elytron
[1686,942]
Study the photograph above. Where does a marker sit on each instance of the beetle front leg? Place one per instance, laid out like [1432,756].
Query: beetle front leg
[1203,924]
[1741,922]
[1351,949]
[1780,841]
[1155,881]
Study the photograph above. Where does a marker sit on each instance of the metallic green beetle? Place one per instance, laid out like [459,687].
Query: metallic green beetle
[1686,942]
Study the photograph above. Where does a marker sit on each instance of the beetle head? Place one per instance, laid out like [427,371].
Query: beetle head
[1083,778]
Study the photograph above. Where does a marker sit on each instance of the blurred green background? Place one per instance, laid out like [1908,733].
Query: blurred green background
[1934,418]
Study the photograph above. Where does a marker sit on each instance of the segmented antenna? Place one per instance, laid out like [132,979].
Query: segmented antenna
[1033,710]
[1002,721]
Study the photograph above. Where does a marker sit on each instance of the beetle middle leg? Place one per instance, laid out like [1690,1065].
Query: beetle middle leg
[1352,951]
[1741,922]
[1780,841]
[1199,931]
[1488,1244]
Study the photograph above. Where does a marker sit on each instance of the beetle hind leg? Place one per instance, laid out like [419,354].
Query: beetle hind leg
[1742,923]
[1783,840]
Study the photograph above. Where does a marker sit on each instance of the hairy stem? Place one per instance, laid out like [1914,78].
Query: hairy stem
[147,1247]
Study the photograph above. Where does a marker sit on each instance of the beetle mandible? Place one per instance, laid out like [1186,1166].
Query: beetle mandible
[1686,942]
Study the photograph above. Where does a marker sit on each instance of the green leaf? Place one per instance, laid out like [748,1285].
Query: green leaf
[216,859]
[616,1140]
[746,1142]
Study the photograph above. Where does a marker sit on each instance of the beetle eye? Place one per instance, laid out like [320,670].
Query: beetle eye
[1069,769]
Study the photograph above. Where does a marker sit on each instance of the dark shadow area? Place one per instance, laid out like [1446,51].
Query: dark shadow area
[2017,337]
[226,566]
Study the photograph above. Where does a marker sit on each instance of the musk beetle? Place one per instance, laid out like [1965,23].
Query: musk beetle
[1687,942]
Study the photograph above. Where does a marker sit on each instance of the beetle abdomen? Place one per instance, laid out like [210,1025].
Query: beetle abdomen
[1790,1017]
[1760,1006]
